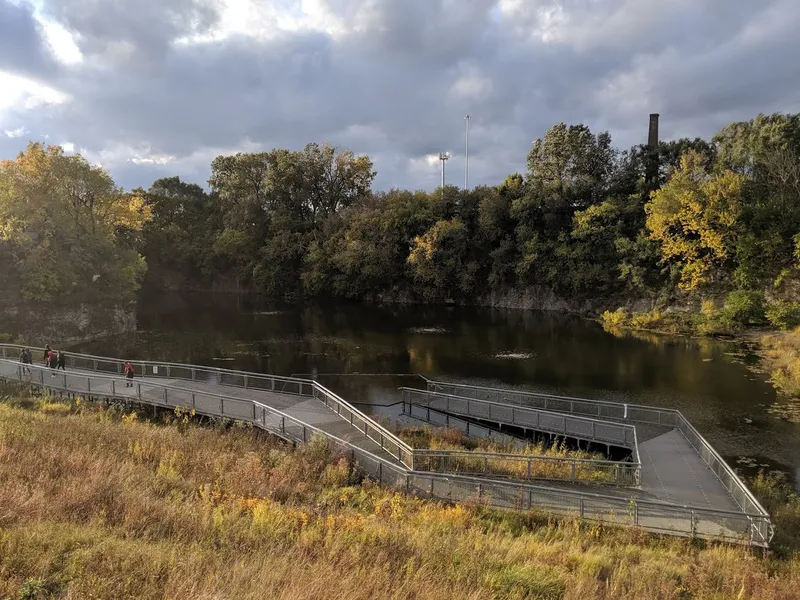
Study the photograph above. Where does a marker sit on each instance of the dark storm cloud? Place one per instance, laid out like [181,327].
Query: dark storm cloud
[22,48]
[134,33]
[397,83]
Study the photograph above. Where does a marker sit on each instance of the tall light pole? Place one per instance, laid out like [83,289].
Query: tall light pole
[443,156]
[466,157]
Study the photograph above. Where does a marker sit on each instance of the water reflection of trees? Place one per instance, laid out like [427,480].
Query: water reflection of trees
[567,354]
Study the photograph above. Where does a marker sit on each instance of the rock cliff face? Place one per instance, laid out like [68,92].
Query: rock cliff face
[537,298]
[39,324]
[532,298]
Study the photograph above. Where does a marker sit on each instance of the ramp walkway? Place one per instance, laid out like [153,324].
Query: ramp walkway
[677,464]
[297,409]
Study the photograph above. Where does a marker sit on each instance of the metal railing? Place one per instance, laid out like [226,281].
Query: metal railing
[527,466]
[513,465]
[240,379]
[598,409]
[618,434]
[754,529]
[729,479]
[637,414]
[657,517]
[470,429]
[377,433]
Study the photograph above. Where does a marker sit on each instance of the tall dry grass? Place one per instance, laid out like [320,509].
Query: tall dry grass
[782,354]
[95,504]
[555,460]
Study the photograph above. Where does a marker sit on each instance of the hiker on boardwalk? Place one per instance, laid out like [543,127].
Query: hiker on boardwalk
[25,359]
[52,359]
[62,361]
[128,370]
[47,355]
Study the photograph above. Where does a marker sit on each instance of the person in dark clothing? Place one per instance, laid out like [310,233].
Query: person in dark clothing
[128,374]
[47,355]
[24,358]
[62,361]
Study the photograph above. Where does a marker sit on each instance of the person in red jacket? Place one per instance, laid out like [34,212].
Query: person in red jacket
[128,370]
[52,360]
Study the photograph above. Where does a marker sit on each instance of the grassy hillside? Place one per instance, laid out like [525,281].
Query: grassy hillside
[95,503]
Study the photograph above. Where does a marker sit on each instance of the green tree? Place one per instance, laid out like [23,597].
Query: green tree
[179,239]
[695,217]
[766,150]
[569,169]
[438,262]
[69,230]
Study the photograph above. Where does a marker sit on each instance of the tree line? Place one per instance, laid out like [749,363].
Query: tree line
[689,219]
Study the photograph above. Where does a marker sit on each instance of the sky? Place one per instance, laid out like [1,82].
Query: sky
[157,88]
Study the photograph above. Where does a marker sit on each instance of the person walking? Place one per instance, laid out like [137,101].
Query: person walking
[62,361]
[52,359]
[28,360]
[128,370]
[47,355]
[23,358]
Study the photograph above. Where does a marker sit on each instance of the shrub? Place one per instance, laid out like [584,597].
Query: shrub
[647,320]
[783,314]
[741,308]
[617,318]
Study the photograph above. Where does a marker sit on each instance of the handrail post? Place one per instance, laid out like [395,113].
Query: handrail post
[573,470]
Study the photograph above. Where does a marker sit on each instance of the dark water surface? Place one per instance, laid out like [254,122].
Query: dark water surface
[539,351]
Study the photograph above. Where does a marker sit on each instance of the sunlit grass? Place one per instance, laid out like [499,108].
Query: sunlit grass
[94,505]
[782,353]
[441,438]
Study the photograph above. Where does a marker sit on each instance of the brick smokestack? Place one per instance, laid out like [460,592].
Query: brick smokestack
[652,139]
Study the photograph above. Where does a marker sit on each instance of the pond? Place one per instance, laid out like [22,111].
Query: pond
[365,352]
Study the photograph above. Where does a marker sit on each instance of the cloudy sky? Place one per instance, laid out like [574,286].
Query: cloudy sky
[151,88]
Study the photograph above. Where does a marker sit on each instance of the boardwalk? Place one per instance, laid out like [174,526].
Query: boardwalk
[665,501]
[179,393]
[671,469]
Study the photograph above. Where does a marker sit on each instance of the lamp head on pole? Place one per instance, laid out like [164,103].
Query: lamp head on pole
[444,156]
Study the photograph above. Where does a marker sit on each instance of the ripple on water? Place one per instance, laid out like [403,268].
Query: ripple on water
[427,330]
[514,355]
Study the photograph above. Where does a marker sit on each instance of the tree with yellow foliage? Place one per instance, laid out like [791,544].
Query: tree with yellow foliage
[67,229]
[695,218]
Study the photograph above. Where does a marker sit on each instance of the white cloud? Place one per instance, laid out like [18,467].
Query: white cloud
[24,93]
[16,133]
[60,42]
